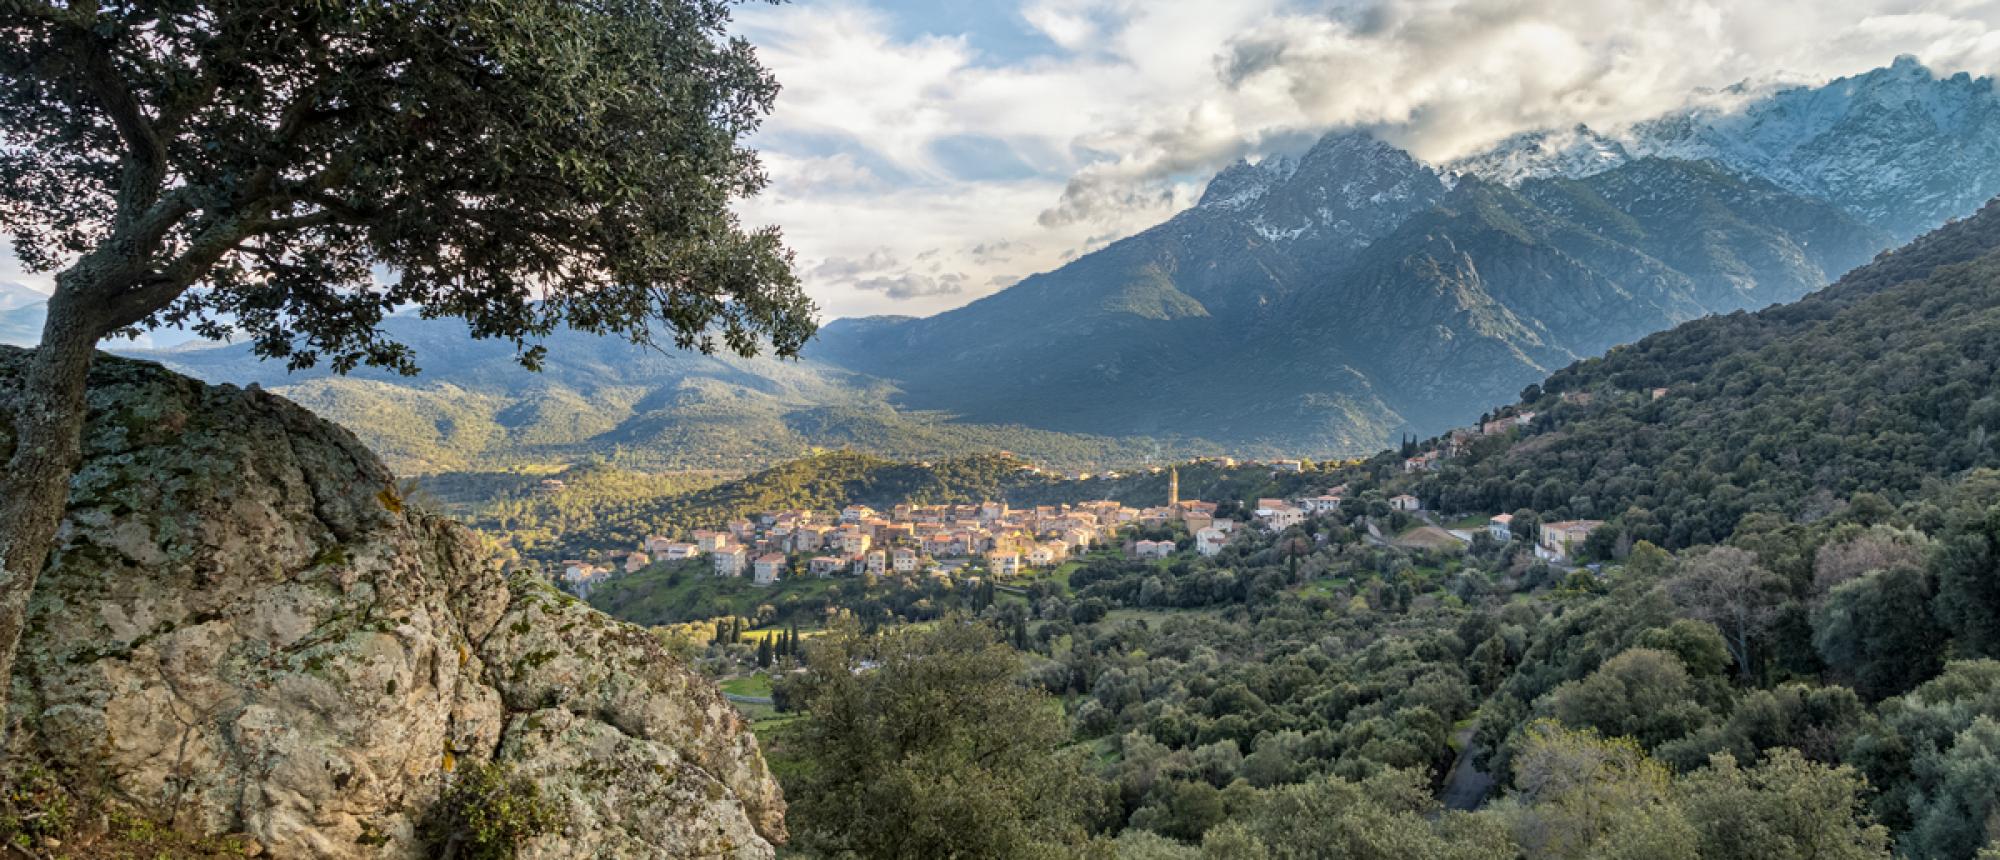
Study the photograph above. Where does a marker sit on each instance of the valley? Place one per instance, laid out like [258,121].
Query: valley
[1753,570]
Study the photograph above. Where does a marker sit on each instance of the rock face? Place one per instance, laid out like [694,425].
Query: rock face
[244,630]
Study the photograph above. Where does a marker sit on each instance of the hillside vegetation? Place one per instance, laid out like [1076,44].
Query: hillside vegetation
[1784,646]
[1883,385]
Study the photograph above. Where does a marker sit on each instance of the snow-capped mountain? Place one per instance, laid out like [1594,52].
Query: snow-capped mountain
[1321,302]
[1575,153]
[1242,184]
[1349,189]
[1897,147]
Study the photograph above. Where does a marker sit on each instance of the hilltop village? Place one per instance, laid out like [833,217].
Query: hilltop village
[993,538]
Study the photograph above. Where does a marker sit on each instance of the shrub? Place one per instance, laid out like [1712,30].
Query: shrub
[488,814]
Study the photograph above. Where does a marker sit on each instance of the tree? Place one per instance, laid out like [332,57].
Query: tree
[1642,694]
[1961,810]
[248,165]
[1787,808]
[1390,816]
[1876,632]
[923,743]
[1967,567]
[1726,587]
[1578,794]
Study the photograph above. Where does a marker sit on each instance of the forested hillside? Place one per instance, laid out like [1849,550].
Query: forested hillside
[1883,385]
[1783,645]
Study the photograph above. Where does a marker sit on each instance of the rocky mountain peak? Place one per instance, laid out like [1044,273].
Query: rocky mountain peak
[1575,153]
[1897,147]
[1239,185]
[1349,188]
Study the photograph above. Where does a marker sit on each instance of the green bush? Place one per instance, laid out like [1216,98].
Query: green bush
[488,814]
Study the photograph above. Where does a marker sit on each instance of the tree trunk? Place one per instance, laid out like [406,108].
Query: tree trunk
[47,421]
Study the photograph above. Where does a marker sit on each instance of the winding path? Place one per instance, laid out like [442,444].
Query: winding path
[1466,787]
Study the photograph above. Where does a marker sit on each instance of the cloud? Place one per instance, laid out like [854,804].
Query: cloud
[898,134]
[844,268]
[1443,77]
[883,272]
[910,285]
[841,170]
[890,142]
[11,271]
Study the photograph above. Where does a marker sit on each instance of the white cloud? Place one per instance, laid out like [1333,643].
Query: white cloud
[11,272]
[1134,102]
[838,171]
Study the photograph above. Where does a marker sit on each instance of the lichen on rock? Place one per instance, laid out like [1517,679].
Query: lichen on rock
[243,631]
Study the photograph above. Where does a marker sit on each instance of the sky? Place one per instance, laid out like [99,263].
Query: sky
[924,153]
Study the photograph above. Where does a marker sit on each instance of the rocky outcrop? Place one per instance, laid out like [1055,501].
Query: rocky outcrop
[244,630]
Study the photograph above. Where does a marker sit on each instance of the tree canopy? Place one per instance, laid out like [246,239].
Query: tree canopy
[294,171]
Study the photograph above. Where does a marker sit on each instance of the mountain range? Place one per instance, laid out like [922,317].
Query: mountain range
[474,407]
[1316,304]
[1896,147]
[1327,302]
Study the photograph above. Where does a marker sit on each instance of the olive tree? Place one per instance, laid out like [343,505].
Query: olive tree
[290,171]
[1726,587]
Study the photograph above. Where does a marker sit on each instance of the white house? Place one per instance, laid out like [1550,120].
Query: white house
[768,568]
[854,541]
[905,560]
[1406,503]
[710,541]
[1278,516]
[730,560]
[1561,539]
[1322,504]
[579,576]
[1003,562]
[1501,527]
[1153,548]
[1210,541]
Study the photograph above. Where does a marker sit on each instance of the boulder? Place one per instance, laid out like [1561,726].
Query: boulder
[245,630]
